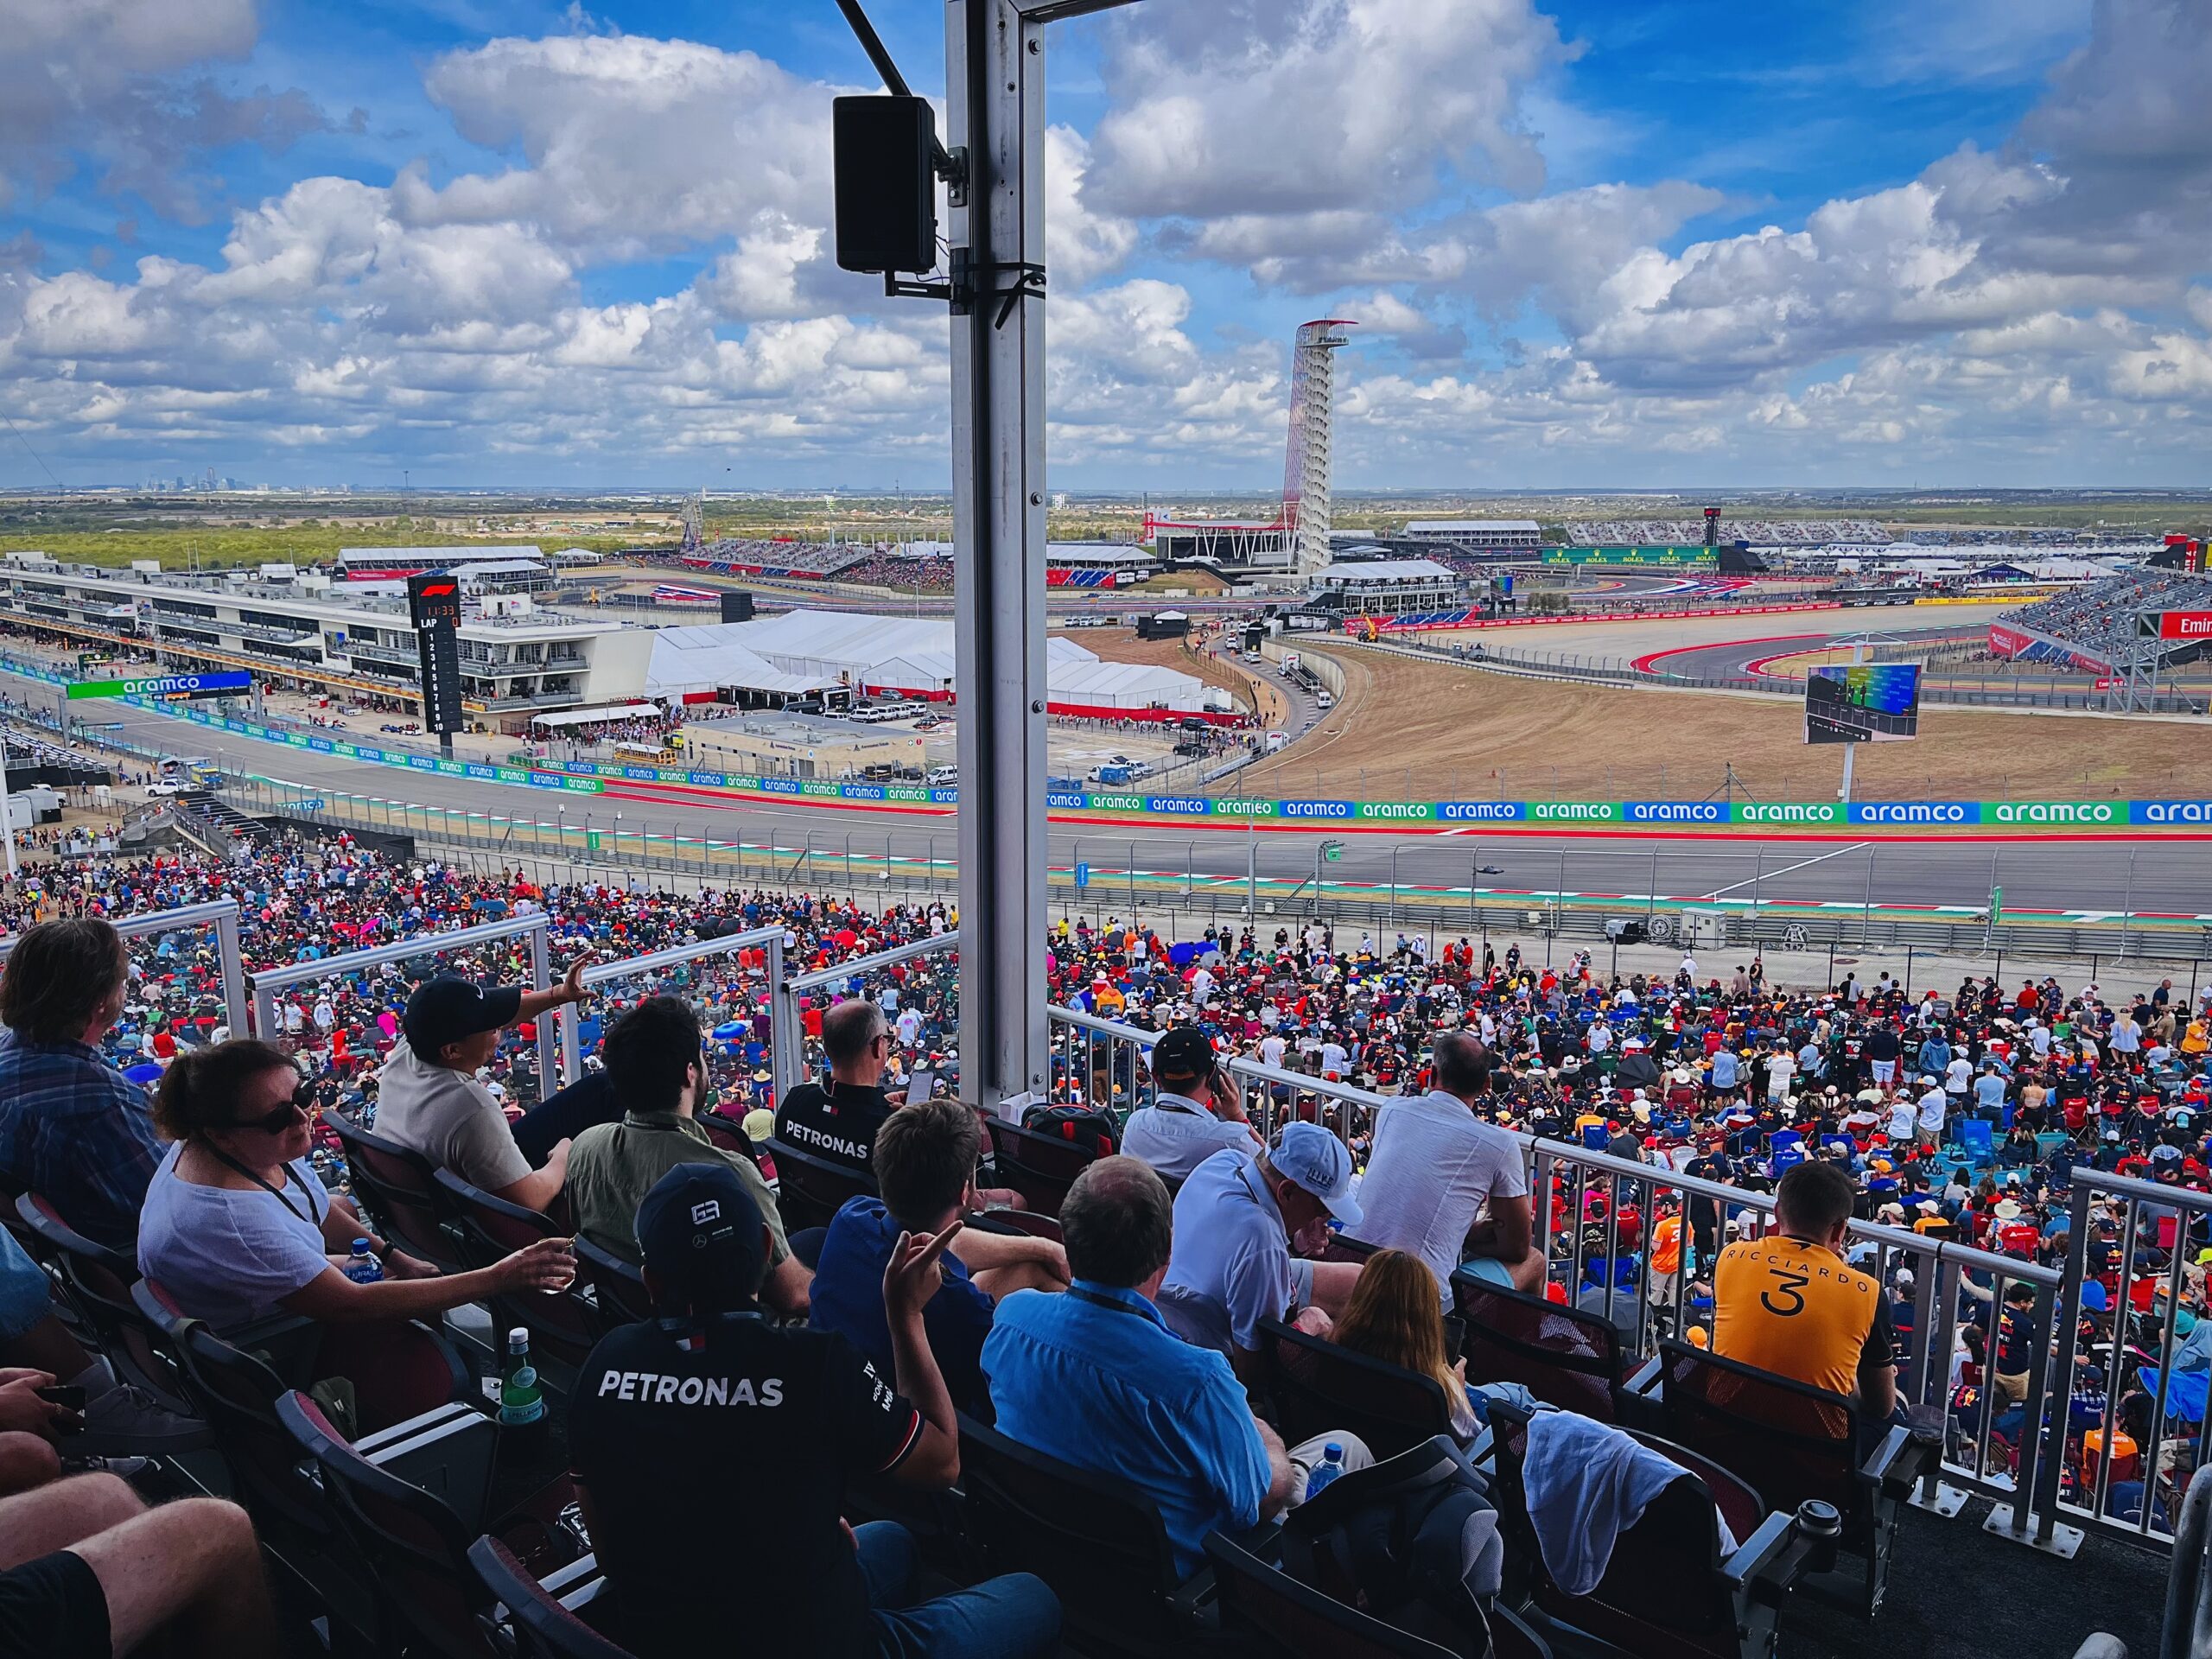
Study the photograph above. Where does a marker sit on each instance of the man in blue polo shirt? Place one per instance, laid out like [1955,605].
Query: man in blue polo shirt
[1235,1219]
[1094,1378]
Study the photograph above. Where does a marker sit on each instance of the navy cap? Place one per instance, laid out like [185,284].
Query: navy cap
[1183,1052]
[449,1009]
[700,1230]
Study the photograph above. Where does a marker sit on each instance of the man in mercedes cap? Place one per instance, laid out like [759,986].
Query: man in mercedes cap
[707,1421]
[428,1097]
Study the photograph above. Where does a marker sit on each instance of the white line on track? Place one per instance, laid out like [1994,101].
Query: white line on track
[1856,846]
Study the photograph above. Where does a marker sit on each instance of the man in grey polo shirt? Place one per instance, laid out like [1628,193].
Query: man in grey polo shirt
[1197,1112]
[1232,1266]
[428,1099]
[1436,1164]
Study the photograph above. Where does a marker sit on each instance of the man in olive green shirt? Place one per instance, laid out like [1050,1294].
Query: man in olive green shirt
[657,1067]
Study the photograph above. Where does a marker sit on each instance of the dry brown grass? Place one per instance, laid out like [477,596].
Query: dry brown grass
[1409,730]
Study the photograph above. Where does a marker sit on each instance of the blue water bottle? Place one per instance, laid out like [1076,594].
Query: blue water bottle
[1331,1465]
[363,1268]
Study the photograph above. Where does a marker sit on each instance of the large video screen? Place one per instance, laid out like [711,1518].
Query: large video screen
[1866,702]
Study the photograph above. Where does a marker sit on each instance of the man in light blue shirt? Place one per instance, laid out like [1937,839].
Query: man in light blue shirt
[1235,1219]
[1197,1112]
[1093,1377]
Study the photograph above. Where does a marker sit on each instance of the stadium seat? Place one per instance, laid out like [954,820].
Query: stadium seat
[236,1392]
[1097,1540]
[561,1323]
[538,1623]
[1024,1221]
[1279,1616]
[1792,1442]
[1668,1592]
[1342,1246]
[398,1191]
[96,1283]
[1041,1167]
[619,1286]
[1564,1357]
[810,1190]
[409,1542]
[1316,1387]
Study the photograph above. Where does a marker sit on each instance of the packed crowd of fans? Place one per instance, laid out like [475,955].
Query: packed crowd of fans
[2099,620]
[1760,532]
[1234,1196]
[927,573]
[803,558]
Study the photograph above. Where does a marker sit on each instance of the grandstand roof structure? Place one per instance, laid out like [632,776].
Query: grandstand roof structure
[1375,573]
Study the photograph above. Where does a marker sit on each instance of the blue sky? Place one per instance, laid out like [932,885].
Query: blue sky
[502,242]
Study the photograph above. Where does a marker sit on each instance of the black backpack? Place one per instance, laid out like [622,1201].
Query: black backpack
[1083,1125]
[1412,1540]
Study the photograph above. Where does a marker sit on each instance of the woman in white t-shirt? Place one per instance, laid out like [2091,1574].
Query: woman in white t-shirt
[236,1227]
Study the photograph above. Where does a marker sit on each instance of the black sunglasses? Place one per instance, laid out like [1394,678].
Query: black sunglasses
[301,1105]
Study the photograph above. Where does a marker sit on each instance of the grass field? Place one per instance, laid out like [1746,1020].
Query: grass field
[1409,730]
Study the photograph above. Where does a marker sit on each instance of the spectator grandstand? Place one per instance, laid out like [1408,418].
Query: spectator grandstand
[2097,622]
[771,558]
[1760,532]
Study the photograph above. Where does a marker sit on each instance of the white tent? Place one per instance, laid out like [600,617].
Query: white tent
[711,657]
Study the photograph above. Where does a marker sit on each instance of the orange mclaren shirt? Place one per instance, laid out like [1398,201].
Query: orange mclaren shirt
[1795,1309]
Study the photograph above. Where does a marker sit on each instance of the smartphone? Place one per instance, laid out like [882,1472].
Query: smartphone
[66,1395]
[921,1086]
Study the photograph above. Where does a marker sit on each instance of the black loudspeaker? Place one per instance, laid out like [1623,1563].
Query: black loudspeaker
[887,194]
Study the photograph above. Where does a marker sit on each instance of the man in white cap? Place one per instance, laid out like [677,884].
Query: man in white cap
[1234,1221]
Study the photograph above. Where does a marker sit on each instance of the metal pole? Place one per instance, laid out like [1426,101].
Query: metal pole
[2128,903]
[994,106]
[8,812]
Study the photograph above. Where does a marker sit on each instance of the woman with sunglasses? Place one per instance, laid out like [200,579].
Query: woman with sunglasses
[237,1228]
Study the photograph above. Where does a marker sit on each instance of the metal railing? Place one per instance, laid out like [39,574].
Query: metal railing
[268,982]
[220,914]
[1096,1061]
[1596,1218]
[795,1052]
[677,955]
[2161,1227]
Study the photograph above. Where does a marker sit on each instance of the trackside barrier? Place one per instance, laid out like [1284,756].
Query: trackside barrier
[221,915]
[601,973]
[796,1053]
[1096,1061]
[1595,1220]
[1407,624]
[591,778]
[269,982]
[2156,1232]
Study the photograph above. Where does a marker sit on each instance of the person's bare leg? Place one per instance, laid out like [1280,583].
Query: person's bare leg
[27,1461]
[192,1567]
[53,1517]
[47,1346]
[1332,1285]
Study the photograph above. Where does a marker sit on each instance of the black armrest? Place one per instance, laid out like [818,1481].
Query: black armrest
[1898,1461]
[1758,1560]
[1646,1380]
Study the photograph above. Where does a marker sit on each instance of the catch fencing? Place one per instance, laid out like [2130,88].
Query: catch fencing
[222,916]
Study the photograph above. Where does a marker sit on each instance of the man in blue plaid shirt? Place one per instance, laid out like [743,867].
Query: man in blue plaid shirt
[72,1128]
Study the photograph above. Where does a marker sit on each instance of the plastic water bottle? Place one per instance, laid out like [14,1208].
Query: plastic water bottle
[522,1406]
[1331,1465]
[363,1268]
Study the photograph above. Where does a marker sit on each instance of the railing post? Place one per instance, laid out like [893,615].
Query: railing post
[787,1038]
[232,958]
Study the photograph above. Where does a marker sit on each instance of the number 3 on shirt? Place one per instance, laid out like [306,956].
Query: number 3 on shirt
[1793,1287]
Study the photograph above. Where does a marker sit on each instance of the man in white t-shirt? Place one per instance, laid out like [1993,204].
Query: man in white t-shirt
[1272,1049]
[1933,1105]
[1435,1167]
[1904,1114]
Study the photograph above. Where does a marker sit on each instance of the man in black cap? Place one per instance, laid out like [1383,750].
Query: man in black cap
[428,1099]
[1197,1110]
[708,1422]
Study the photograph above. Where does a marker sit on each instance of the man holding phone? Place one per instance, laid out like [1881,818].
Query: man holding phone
[1196,1111]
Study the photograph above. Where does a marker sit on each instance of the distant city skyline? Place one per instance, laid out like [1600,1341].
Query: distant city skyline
[1848,242]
